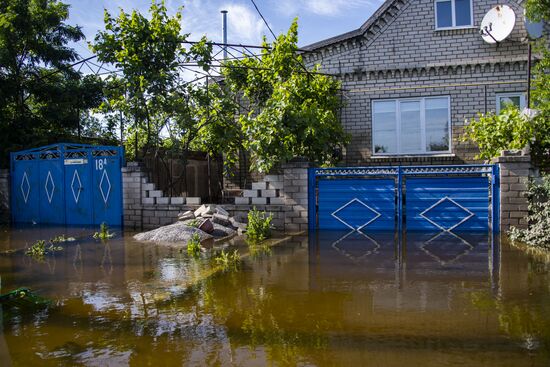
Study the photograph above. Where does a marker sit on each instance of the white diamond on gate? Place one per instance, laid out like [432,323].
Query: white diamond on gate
[50,187]
[76,193]
[469,213]
[355,200]
[25,187]
[105,178]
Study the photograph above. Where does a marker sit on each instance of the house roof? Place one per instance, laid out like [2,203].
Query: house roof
[355,33]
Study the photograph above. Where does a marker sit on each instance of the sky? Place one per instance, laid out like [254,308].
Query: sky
[317,19]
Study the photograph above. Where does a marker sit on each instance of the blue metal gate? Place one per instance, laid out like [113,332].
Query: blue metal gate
[419,198]
[71,184]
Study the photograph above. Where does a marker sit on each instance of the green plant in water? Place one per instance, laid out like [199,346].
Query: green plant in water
[103,233]
[41,248]
[538,232]
[62,238]
[228,260]
[194,247]
[259,226]
[259,250]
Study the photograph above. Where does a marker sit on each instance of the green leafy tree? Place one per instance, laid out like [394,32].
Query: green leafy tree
[538,10]
[496,132]
[147,50]
[289,112]
[160,109]
[42,97]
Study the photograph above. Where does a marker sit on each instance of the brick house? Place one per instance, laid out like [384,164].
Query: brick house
[414,72]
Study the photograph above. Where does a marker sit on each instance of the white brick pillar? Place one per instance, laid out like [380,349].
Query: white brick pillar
[132,181]
[515,170]
[295,195]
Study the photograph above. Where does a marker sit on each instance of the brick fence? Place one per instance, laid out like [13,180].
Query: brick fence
[284,196]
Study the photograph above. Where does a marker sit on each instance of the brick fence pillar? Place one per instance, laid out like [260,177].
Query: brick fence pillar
[515,171]
[132,181]
[4,196]
[295,195]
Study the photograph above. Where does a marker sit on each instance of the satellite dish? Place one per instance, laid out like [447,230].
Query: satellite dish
[497,24]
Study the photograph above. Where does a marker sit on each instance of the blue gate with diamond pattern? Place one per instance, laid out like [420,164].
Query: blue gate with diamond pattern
[71,184]
[415,198]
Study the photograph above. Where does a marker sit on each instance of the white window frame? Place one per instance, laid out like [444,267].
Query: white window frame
[521,95]
[422,101]
[453,16]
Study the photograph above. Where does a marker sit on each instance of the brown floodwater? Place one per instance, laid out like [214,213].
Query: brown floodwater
[325,300]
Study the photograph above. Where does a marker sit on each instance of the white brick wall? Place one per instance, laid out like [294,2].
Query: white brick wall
[404,56]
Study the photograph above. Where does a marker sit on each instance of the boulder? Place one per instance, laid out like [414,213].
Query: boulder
[177,232]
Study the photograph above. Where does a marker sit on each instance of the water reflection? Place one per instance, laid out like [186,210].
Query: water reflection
[350,298]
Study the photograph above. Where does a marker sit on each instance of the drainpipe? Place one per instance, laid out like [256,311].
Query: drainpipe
[224,30]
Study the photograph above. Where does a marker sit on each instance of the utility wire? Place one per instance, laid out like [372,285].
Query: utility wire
[265,21]
[275,37]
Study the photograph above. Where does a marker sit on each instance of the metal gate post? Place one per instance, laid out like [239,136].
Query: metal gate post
[311,205]
[495,198]
[399,199]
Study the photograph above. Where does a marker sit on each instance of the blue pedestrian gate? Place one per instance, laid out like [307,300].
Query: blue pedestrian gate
[71,184]
[417,198]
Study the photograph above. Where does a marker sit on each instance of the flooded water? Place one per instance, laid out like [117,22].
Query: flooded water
[327,300]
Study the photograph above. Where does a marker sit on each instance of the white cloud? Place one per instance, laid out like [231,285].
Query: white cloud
[244,24]
[321,7]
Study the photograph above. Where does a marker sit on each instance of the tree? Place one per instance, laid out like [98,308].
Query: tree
[41,97]
[289,111]
[148,52]
[150,91]
[538,10]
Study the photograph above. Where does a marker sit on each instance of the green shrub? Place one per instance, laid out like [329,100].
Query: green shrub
[538,232]
[494,133]
[259,226]
[194,247]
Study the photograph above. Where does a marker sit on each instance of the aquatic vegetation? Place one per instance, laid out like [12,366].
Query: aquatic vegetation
[22,297]
[103,233]
[538,232]
[41,248]
[259,226]
[194,247]
[228,260]
[62,238]
[260,250]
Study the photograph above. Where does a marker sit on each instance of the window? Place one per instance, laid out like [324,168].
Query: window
[411,126]
[453,14]
[516,99]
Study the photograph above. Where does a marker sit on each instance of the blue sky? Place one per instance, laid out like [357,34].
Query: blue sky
[318,19]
